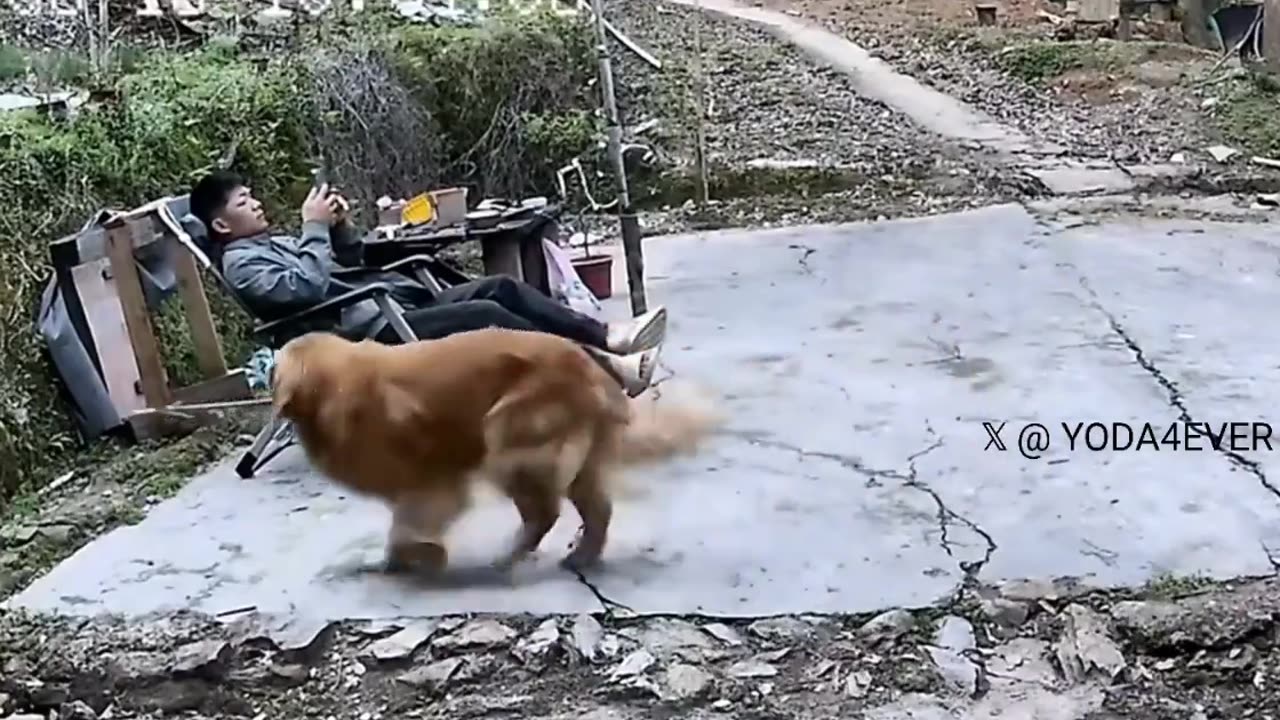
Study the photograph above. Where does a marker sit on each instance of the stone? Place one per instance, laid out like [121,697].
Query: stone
[539,643]
[1086,646]
[587,634]
[857,684]
[780,629]
[956,669]
[477,635]
[1221,153]
[403,643]
[26,716]
[683,681]
[138,666]
[888,625]
[209,659]
[1004,613]
[291,674]
[634,664]
[1021,660]
[751,669]
[666,635]
[304,638]
[723,633]
[434,677]
[17,535]
[955,633]
[1063,588]
[77,710]
[1218,618]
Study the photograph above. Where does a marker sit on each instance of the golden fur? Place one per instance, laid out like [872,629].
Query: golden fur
[417,424]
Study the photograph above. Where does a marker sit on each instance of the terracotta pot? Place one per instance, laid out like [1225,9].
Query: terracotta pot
[596,273]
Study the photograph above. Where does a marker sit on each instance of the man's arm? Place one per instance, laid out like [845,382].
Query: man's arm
[283,282]
[345,241]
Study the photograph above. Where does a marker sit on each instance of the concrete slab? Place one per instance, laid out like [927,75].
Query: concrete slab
[858,363]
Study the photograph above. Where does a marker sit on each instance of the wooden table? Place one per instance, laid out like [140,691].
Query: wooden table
[513,247]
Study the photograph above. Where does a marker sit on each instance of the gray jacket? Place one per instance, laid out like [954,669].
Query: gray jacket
[279,275]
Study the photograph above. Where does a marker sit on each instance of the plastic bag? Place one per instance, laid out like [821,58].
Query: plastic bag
[566,286]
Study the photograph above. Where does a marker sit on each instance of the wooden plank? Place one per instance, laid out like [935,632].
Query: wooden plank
[231,386]
[105,318]
[203,333]
[1099,11]
[155,386]
[1271,34]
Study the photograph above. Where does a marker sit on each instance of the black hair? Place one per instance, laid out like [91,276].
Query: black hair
[211,194]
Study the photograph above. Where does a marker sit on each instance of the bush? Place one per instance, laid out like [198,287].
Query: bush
[498,108]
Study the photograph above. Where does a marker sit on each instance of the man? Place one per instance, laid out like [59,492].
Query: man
[280,275]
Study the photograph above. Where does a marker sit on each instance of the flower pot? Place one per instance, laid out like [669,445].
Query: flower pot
[596,272]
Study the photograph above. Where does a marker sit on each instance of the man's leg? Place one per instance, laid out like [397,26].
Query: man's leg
[547,315]
[633,372]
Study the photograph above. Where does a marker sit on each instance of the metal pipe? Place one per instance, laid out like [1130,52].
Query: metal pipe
[630,226]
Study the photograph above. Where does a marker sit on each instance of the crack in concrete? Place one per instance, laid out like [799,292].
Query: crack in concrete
[607,604]
[804,258]
[1176,399]
[945,515]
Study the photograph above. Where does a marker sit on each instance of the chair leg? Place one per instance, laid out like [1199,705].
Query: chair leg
[257,456]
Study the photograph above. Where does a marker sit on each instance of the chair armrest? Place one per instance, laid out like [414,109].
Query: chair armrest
[401,265]
[297,322]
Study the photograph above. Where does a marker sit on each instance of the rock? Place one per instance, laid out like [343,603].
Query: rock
[290,674]
[1063,588]
[587,634]
[751,669]
[16,535]
[1178,158]
[434,677]
[1219,618]
[666,635]
[1209,103]
[1021,660]
[539,643]
[888,625]
[722,704]
[955,668]
[209,659]
[26,716]
[303,638]
[780,629]
[634,664]
[1006,614]
[857,684]
[402,644]
[955,633]
[77,710]
[477,635]
[723,633]
[59,533]
[683,681]
[1085,646]
[138,666]
[1221,153]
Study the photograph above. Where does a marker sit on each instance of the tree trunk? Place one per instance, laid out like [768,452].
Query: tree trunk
[1195,23]
[1271,33]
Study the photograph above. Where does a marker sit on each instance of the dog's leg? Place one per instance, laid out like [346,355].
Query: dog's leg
[589,496]
[415,542]
[534,496]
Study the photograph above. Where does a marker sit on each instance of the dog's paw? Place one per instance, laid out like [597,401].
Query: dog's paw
[419,558]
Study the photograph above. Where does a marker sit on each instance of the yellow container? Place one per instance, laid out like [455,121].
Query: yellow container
[418,210]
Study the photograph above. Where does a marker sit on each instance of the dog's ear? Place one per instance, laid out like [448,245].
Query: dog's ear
[286,383]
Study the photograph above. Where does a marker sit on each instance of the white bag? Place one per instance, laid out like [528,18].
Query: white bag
[565,284]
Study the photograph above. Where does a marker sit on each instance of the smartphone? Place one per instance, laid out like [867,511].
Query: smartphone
[320,176]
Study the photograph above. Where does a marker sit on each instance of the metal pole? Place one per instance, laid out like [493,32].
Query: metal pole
[630,225]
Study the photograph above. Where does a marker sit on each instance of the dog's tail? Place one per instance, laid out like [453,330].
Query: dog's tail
[662,428]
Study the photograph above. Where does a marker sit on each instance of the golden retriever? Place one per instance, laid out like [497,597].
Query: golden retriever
[417,424]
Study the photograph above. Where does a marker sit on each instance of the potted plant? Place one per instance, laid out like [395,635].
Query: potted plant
[596,271]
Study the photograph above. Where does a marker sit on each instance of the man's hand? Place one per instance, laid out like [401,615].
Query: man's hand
[340,207]
[318,206]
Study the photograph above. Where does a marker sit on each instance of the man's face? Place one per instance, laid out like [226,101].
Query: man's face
[242,217]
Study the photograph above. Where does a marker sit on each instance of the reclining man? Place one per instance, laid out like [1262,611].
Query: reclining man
[280,275]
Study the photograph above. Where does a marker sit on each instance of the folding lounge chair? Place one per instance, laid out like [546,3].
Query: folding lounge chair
[277,434]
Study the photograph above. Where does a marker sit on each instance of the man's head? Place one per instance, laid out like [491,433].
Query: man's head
[226,207]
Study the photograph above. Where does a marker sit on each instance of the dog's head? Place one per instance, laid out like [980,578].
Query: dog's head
[305,368]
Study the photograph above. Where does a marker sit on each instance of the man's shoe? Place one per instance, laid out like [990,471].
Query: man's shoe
[640,333]
[636,370]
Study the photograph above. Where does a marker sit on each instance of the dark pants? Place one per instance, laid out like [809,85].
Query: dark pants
[499,301]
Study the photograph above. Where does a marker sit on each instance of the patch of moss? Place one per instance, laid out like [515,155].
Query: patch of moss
[1167,586]
[1247,115]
